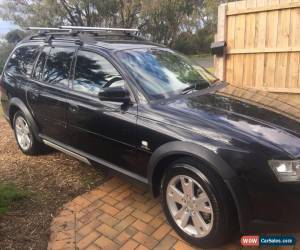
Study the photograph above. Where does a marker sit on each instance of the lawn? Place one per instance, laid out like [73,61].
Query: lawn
[10,194]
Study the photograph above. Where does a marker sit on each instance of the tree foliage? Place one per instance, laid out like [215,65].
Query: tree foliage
[171,22]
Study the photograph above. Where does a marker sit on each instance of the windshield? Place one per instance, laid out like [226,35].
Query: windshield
[162,73]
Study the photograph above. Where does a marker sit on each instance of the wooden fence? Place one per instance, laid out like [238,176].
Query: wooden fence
[263,44]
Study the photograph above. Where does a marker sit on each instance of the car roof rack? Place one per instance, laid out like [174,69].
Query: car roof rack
[93,29]
[80,33]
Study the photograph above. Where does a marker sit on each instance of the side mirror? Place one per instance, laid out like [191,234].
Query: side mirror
[115,94]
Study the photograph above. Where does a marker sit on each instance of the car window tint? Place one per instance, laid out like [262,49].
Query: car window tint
[22,60]
[57,68]
[38,72]
[93,72]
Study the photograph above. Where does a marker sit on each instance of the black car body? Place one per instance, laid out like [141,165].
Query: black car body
[140,137]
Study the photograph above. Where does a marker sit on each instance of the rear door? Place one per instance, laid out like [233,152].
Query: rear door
[16,76]
[49,88]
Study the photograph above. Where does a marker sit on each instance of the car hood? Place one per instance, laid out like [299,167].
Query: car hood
[224,115]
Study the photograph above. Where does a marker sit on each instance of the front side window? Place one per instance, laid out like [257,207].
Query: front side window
[162,73]
[58,66]
[22,60]
[93,72]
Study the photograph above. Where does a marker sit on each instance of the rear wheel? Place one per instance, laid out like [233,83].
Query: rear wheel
[24,136]
[197,204]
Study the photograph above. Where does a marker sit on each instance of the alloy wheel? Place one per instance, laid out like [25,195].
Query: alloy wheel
[190,206]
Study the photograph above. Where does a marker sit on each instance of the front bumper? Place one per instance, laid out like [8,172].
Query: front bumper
[265,207]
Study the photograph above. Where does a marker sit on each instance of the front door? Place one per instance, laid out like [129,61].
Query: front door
[105,130]
[48,92]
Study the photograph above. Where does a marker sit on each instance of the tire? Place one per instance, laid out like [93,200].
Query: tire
[211,221]
[29,145]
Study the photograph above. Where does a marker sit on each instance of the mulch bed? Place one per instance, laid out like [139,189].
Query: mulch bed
[52,179]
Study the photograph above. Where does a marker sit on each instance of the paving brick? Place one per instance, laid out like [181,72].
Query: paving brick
[167,243]
[142,216]
[125,223]
[119,190]
[82,201]
[90,216]
[141,247]
[156,222]
[109,209]
[123,204]
[140,206]
[107,231]
[174,234]
[94,195]
[162,231]
[108,219]
[143,227]
[182,246]
[130,230]
[93,247]
[145,240]
[62,244]
[129,245]
[63,223]
[72,206]
[124,213]
[155,210]
[88,228]
[111,201]
[106,244]
[87,240]
[93,206]
[64,235]
[123,195]
[122,238]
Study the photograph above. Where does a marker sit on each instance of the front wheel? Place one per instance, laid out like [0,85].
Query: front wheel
[197,204]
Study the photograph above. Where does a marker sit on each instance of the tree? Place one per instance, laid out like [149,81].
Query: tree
[162,18]
[15,36]
[162,21]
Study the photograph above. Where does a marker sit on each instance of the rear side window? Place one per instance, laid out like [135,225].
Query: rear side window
[38,73]
[93,72]
[58,66]
[22,60]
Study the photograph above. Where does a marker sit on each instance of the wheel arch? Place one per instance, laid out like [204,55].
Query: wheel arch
[174,150]
[171,151]
[16,104]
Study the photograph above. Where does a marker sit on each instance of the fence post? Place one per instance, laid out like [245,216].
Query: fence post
[220,61]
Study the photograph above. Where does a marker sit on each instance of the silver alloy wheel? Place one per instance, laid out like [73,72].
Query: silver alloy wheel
[23,133]
[190,206]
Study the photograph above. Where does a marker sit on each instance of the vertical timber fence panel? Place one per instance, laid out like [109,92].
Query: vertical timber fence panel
[263,44]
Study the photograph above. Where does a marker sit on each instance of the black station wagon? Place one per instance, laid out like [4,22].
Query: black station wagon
[110,98]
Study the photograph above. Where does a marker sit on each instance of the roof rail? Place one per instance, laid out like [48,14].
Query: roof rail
[91,29]
[84,34]
[48,29]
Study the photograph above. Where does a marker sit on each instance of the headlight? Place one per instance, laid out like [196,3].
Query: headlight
[286,171]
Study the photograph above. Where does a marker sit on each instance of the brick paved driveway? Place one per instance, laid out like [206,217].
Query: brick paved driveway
[116,215]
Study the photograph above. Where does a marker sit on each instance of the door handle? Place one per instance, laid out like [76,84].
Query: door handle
[73,108]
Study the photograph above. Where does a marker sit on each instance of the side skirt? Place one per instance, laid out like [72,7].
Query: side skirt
[88,158]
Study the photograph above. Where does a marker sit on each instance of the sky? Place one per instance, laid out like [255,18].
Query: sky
[6,26]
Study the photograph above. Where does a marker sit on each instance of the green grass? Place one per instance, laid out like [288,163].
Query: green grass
[9,194]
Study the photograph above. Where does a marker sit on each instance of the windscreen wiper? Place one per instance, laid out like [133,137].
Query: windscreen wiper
[188,89]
